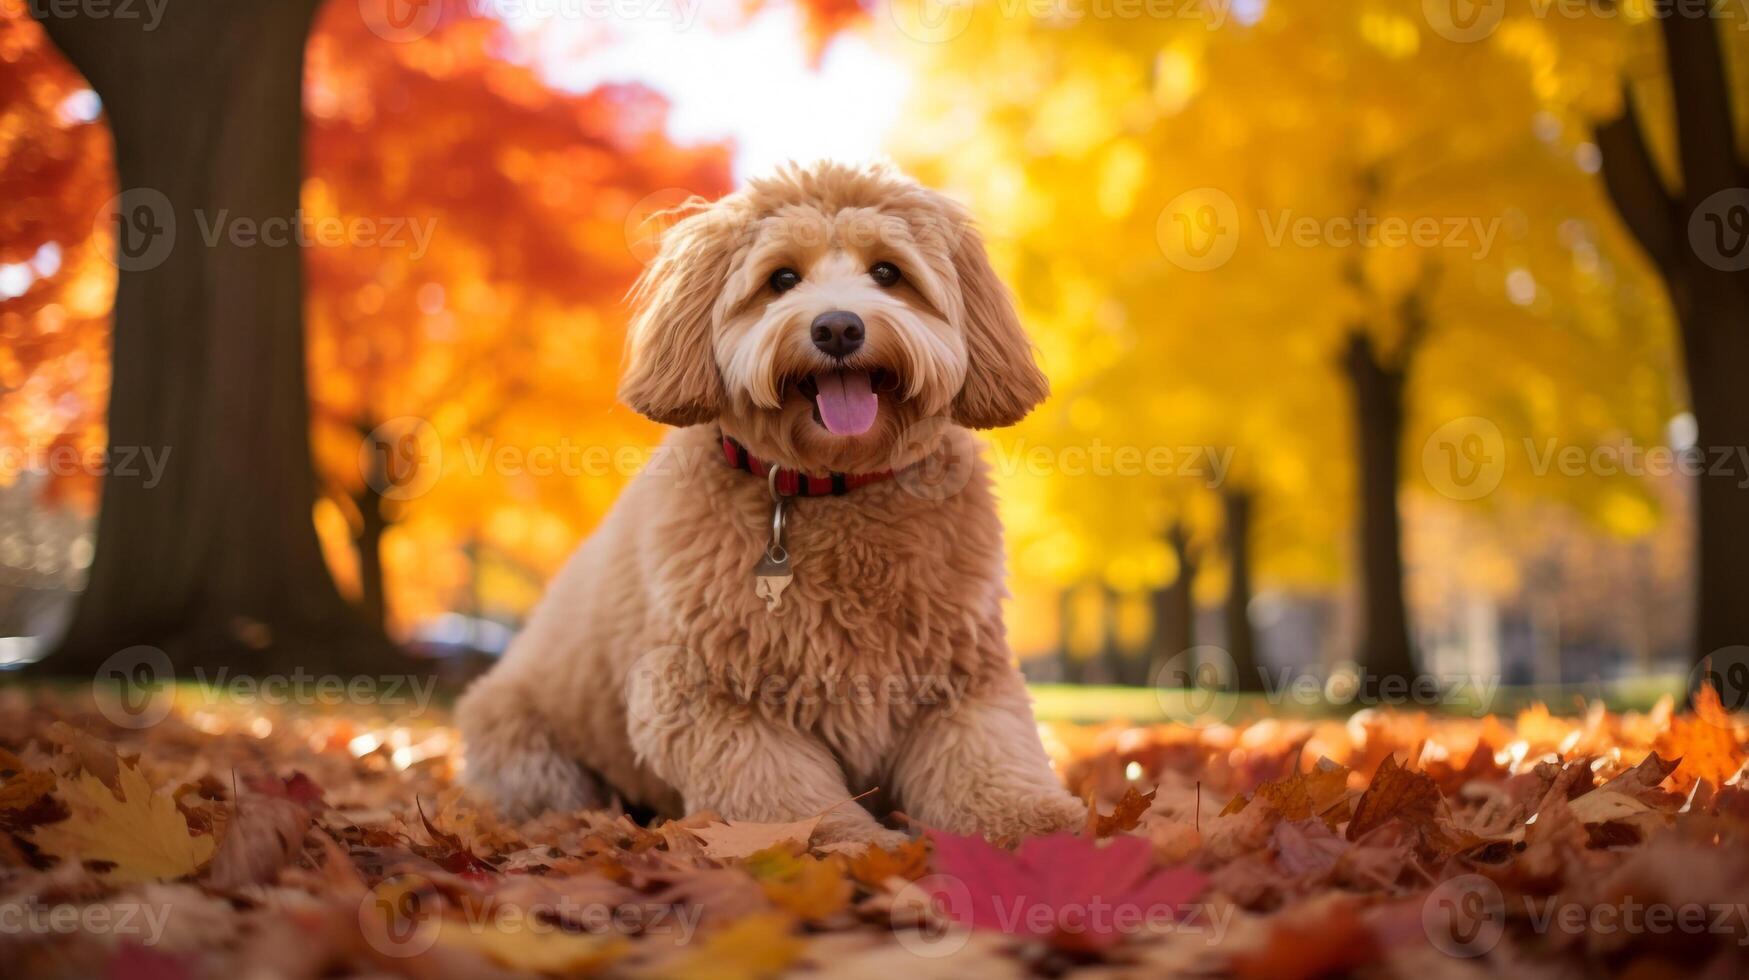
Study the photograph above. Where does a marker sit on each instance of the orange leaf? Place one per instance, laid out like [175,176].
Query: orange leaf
[1703,742]
[1396,793]
[877,865]
[1125,817]
[1330,943]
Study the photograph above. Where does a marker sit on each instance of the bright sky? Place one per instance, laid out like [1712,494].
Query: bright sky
[750,83]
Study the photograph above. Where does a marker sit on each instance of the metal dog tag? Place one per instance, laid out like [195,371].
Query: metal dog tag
[771,576]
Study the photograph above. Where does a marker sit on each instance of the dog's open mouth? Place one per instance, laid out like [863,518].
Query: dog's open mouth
[846,402]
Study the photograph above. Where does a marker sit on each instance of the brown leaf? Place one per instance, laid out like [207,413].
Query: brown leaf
[1302,795]
[1396,793]
[22,789]
[1126,816]
[732,841]
[264,834]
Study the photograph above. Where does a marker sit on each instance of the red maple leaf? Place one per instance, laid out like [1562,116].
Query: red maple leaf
[1068,890]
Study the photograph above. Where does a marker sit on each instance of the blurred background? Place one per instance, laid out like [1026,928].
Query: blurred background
[1399,333]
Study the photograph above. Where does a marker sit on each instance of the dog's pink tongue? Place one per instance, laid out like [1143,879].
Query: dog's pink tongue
[847,401]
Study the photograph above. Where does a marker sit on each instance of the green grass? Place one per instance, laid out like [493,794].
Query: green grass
[1144,705]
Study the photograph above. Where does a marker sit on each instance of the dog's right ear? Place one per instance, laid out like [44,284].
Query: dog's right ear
[671,370]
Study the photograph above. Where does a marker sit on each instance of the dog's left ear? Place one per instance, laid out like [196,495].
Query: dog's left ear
[671,369]
[1003,382]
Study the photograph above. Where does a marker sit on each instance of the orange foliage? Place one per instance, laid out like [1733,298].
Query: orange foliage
[56,283]
[484,298]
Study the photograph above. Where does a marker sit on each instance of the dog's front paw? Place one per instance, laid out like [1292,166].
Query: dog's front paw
[1031,815]
[854,832]
[1050,814]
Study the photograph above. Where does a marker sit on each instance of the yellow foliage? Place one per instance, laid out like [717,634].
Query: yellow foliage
[142,834]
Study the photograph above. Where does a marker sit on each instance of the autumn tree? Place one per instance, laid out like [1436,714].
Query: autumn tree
[218,564]
[493,319]
[1691,218]
[55,168]
[1194,216]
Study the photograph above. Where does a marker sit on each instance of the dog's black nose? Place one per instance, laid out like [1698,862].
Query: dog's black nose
[838,333]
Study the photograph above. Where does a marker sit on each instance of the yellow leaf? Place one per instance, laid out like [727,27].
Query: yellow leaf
[142,834]
[548,950]
[753,948]
[805,886]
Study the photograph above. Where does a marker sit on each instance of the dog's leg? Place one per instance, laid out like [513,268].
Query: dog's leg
[977,767]
[512,759]
[724,757]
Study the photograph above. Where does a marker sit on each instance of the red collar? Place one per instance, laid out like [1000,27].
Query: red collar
[792,483]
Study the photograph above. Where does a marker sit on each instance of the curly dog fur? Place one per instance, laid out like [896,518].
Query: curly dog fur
[652,673]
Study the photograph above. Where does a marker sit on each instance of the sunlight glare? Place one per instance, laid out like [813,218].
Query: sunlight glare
[747,82]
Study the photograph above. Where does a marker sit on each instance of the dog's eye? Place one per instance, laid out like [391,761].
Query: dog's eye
[884,273]
[784,280]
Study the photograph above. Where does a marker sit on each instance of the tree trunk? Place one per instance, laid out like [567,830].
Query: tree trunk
[1699,241]
[1111,651]
[368,543]
[1174,606]
[218,564]
[1378,424]
[1071,664]
[1241,638]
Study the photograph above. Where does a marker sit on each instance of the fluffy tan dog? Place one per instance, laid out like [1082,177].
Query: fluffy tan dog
[844,324]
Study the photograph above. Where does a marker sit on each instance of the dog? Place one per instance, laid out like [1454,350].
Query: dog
[801,604]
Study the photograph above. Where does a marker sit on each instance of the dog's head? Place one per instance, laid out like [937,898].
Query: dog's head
[821,314]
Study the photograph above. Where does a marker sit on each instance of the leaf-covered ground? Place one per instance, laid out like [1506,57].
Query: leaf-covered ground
[236,841]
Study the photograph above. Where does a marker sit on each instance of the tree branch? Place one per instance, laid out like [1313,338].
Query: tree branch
[1634,186]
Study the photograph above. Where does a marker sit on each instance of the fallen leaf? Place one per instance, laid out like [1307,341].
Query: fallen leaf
[733,841]
[536,950]
[876,866]
[1396,793]
[1328,940]
[265,833]
[810,888]
[1704,742]
[757,947]
[1322,791]
[22,789]
[142,836]
[1046,888]
[1306,847]
[1126,816]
